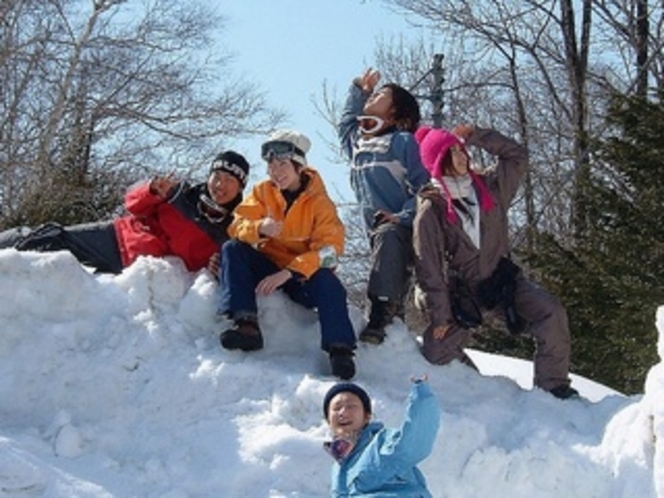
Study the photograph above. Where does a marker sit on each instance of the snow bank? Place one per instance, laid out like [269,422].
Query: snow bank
[116,386]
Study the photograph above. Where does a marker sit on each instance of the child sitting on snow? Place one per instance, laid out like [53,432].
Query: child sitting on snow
[371,459]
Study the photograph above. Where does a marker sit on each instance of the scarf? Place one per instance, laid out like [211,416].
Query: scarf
[340,447]
[462,200]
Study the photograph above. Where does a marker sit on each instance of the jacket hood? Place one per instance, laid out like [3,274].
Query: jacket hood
[315,181]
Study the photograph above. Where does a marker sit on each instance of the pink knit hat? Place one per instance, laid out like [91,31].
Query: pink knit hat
[434,144]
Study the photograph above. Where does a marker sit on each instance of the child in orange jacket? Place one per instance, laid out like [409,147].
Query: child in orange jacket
[287,235]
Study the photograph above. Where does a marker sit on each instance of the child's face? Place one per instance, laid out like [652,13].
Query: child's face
[223,187]
[346,415]
[459,162]
[380,104]
[284,174]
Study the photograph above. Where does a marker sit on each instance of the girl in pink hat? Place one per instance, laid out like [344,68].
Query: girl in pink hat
[463,263]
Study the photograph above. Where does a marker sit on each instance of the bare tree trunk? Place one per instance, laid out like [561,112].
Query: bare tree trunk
[577,70]
[95,94]
[641,39]
[639,26]
[55,118]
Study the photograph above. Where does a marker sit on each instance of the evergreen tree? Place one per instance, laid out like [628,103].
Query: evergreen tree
[611,276]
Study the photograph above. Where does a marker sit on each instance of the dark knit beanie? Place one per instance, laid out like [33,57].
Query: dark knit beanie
[232,163]
[346,387]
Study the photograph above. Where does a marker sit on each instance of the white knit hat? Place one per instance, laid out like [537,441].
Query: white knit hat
[300,142]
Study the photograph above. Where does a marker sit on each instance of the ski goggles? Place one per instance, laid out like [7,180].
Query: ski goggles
[280,150]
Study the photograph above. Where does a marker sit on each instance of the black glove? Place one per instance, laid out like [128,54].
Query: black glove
[379,219]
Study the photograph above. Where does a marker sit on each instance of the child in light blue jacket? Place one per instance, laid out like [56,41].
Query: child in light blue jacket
[372,460]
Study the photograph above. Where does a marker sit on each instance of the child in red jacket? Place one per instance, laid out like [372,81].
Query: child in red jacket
[166,218]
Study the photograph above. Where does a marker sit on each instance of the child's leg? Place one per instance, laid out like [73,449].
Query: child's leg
[11,237]
[547,323]
[242,267]
[449,348]
[325,292]
[392,260]
[93,244]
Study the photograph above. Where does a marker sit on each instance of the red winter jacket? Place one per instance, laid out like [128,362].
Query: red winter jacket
[173,227]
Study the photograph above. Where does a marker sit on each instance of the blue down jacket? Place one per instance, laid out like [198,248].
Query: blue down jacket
[387,171]
[383,463]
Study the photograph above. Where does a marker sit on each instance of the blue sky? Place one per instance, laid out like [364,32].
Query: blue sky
[291,48]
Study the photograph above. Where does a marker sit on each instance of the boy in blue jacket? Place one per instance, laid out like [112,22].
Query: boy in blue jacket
[376,134]
[371,459]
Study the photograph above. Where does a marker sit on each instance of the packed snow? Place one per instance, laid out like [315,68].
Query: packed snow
[116,386]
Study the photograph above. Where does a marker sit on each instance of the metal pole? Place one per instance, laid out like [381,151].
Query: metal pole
[436,96]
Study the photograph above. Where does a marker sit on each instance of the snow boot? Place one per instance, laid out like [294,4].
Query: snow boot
[245,335]
[564,391]
[380,316]
[341,361]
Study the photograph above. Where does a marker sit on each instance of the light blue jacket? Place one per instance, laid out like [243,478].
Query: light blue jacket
[387,171]
[383,463]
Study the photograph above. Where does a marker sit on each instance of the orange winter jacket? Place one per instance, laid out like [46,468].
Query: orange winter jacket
[313,236]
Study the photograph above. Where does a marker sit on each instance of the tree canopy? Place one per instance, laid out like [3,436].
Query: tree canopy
[611,276]
[98,93]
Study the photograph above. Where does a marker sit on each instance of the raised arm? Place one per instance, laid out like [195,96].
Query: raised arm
[512,159]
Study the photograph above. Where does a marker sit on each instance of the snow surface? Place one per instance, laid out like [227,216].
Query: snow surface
[116,386]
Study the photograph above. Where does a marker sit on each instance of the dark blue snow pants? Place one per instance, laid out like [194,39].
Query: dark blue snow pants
[243,267]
